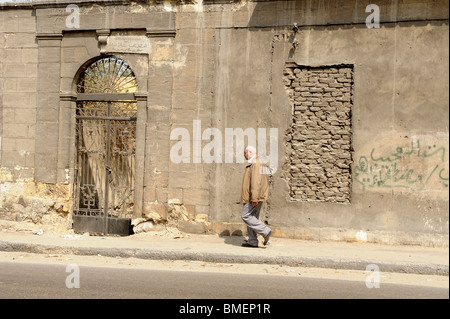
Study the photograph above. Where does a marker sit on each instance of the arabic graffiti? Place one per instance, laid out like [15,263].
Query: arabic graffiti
[415,168]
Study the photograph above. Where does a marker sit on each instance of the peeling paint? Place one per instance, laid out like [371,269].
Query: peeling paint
[240,4]
[24,153]
[5,175]
[180,56]
[162,54]
[162,51]
[169,6]
[67,175]
[198,5]
[24,174]
[361,236]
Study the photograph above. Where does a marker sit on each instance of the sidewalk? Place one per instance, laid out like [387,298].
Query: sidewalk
[213,248]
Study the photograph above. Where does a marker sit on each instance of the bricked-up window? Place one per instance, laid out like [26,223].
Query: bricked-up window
[319,139]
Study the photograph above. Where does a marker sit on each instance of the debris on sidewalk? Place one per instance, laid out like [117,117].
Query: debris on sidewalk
[142,225]
[170,232]
[8,226]
[38,232]
[71,236]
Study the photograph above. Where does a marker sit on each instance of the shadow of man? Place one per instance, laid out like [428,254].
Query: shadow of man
[236,238]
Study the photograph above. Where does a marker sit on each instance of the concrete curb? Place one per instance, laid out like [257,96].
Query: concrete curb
[153,254]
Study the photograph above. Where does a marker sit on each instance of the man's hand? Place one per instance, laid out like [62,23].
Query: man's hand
[254,203]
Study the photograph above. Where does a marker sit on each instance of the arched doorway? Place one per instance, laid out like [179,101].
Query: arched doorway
[106,113]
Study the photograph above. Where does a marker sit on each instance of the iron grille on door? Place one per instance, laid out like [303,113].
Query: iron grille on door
[105,143]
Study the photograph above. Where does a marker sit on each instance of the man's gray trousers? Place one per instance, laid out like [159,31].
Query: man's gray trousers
[250,216]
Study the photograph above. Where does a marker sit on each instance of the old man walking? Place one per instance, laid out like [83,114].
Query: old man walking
[254,191]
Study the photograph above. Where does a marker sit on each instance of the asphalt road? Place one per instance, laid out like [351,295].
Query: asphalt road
[27,280]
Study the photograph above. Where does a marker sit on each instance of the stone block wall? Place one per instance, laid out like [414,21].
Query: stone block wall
[21,196]
[319,139]
[18,84]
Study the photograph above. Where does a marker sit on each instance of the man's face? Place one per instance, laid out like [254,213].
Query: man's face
[248,154]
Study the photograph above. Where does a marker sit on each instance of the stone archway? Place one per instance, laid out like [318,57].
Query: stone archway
[106,114]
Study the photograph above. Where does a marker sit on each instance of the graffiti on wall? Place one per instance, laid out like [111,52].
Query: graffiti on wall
[420,166]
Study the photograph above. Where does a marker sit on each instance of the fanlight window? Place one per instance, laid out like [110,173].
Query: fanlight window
[107,75]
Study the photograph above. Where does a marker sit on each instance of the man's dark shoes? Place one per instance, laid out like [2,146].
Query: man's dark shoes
[246,244]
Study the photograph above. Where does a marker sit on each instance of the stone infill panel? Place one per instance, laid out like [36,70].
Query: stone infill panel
[319,139]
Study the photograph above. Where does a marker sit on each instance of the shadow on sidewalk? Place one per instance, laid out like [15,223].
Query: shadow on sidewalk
[236,238]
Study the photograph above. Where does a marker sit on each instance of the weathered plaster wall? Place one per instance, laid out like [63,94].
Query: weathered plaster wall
[223,63]
[396,106]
